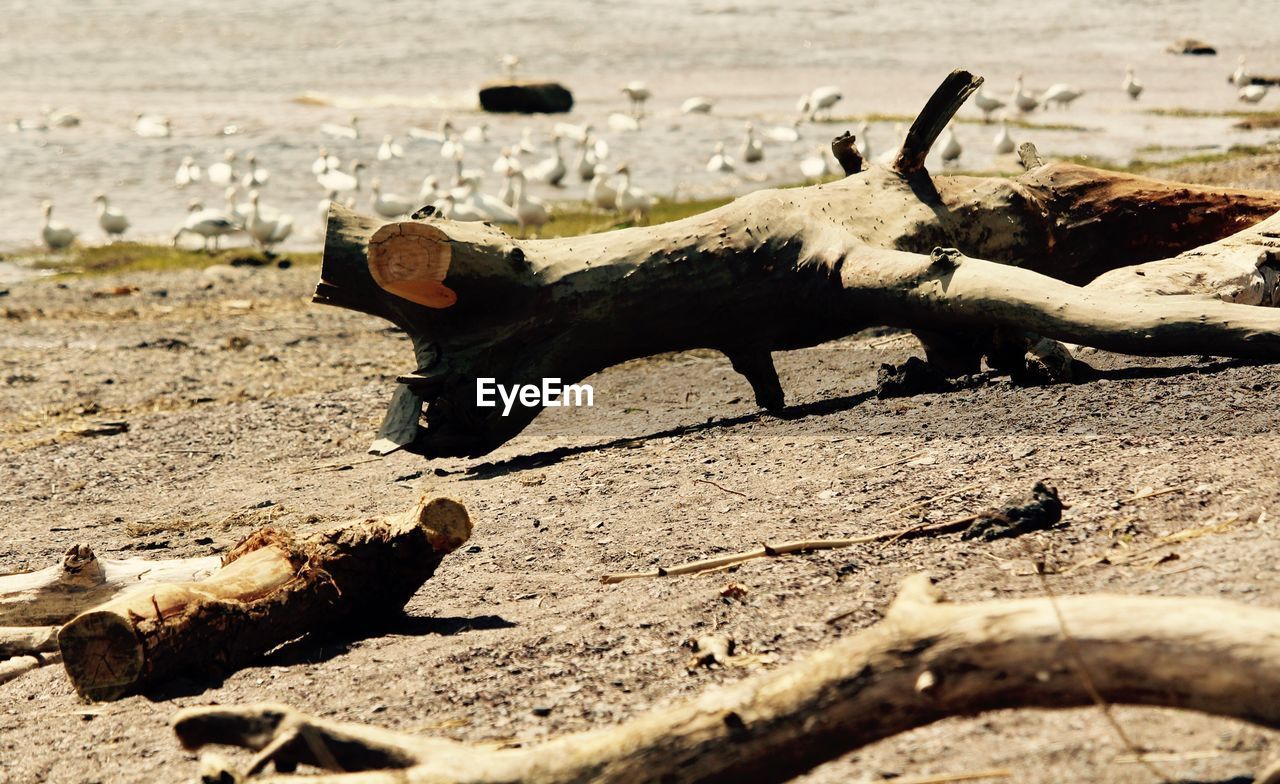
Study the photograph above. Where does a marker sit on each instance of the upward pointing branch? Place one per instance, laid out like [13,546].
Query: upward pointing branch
[941,107]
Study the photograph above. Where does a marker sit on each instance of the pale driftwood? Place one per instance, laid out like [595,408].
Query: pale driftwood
[925,661]
[274,587]
[19,640]
[21,665]
[81,580]
[784,269]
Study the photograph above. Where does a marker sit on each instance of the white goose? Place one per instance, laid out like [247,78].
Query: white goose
[324,162]
[187,173]
[340,181]
[150,126]
[526,145]
[113,222]
[256,176]
[491,208]
[267,228]
[951,148]
[388,205]
[638,92]
[752,148]
[1240,76]
[1252,93]
[238,212]
[719,163]
[890,154]
[476,134]
[1003,143]
[62,118]
[505,162]
[550,170]
[509,64]
[574,133]
[600,193]
[58,236]
[697,105]
[451,148]
[336,131]
[814,167]
[223,172]
[586,165]
[783,134]
[1131,84]
[821,99]
[207,224]
[623,123]
[438,136]
[862,141]
[986,103]
[1023,100]
[529,212]
[1060,94]
[429,190]
[632,202]
[389,149]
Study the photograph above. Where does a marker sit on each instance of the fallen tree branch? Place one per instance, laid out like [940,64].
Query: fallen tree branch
[927,660]
[274,587]
[19,640]
[21,665]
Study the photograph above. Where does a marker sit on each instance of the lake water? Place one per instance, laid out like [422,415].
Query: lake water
[398,63]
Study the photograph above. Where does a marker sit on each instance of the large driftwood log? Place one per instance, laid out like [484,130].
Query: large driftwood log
[925,661]
[785,269]
[274,587]
[81,580]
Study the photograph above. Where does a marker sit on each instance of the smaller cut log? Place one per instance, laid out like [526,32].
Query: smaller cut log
[526,98]
[273,588]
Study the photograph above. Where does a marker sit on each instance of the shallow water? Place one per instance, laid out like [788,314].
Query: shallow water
[398,63]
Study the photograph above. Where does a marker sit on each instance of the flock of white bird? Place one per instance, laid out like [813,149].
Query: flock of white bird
[523,162]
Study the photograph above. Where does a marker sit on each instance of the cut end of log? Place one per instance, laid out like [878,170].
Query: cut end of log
[446,522]
[411,260]
[103,655]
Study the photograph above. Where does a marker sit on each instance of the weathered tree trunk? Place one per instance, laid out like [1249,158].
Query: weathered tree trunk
[81,580]
[786,269]
[925,661]
[273,588]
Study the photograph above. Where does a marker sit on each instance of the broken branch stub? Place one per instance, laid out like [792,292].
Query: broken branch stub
[927,660]
[777,270]
[274,587]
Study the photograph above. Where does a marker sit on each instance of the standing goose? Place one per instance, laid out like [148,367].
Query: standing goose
[719,163]
[861,141]
[1004,143]
[476,134]
[821,99]
[752,148]
[600,193]
[429,189]
[223,172]
[336,131]
[815,166]
[451,147]
[113,222]
[58,236]
[550,170]
[187,173]
[529,212]
[1060,94]
[1240,76]
[388,205]
[1252,93]
[207,224]
[632,202]
[389,149]
[586,165]
[256,176]
[951,148]
[638,92]
[267,228]
[1023,100]
[324,162]
[526,145]
[340,181]
[1131,84]
[986,103]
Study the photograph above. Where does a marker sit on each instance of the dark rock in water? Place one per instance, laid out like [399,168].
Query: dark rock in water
[1191,46]
[526,98]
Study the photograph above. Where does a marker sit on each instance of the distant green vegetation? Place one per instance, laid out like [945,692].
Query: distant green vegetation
[1178,111]
[571,219]
[906,119]
[1143,165]
[136,256]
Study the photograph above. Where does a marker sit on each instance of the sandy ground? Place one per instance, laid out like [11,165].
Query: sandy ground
[238,392]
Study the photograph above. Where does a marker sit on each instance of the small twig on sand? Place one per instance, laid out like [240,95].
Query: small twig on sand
[337,466]
[1151,494]
[934,499]
[721,487]
[947,778]
[767,550]
[899,461]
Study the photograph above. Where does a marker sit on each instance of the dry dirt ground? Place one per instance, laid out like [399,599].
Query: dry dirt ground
[246,405]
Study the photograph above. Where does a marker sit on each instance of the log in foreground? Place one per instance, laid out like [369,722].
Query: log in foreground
[927,660]
[785,269]
[272,588]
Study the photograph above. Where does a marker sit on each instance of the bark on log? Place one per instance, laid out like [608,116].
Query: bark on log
[81,580]
[927,660]
[785,269]
[273,588]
